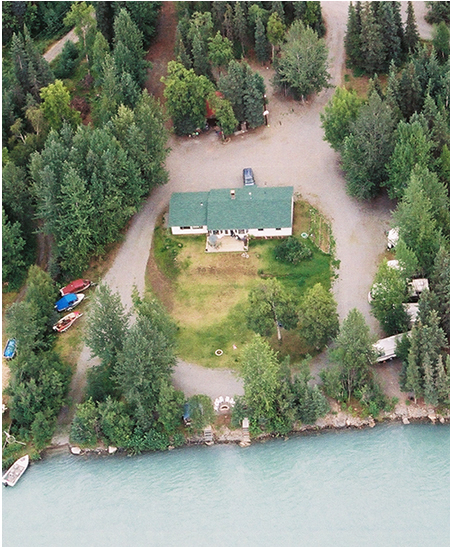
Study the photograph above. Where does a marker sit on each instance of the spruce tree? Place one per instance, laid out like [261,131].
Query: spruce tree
[240,24]
[410,93]
[373,50]
[389,35]
[352,38]
[261,43]
[429,390]
[441,42]
[412,376]
[442,380]
[440,285]
[411,31]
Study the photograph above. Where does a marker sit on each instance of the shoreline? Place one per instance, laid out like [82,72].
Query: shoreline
[333,421]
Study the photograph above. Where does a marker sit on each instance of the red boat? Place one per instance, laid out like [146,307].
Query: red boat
[67,321]
[75,286]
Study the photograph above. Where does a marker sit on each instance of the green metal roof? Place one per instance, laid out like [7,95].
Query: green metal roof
[251,208]
[188,209]
[236,209]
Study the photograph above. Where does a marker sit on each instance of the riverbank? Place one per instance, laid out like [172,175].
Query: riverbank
[337,419]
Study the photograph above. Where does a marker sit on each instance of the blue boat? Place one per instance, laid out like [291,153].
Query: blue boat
[10,349]
[68,302]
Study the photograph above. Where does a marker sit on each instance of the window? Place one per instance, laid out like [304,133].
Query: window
[260,229]
[277,228]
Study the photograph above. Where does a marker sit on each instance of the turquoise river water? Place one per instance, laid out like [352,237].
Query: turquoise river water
[388,486]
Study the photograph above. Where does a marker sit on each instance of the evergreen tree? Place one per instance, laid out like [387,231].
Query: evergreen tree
[253,98]
[442,381]
[31,70]
[412,148]
[373,50]
[12,255]
[240,24]
[354,353]
[220,51]
[106,326]
[128,48]
[410,94]
[440,286]
[99,51]
[352,38]
[417,227]
[437,12]
[441,42]
[411,30]
[389,34]
[104,15]
[368,148]
[261,43]
[429,390]
[145,366]
[245,90]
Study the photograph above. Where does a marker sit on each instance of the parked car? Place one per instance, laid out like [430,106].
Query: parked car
[249,179]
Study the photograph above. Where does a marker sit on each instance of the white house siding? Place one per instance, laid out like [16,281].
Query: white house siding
[179,231]
[271,232]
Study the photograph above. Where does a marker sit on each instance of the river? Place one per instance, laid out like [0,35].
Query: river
[387,486]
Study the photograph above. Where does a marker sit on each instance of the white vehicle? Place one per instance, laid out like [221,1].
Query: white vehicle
[392,238]
[417,286]
[412,310]
[386,347]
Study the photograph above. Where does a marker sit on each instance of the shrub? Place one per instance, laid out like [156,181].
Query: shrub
[66,62]
[292,250]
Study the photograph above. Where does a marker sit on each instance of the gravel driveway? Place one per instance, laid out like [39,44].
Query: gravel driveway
[289,152]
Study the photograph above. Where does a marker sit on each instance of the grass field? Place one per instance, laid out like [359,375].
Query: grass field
[207,294]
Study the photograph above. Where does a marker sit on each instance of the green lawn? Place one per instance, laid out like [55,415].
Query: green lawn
[207,293]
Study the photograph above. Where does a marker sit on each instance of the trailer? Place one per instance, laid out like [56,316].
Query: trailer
[386,347]
[392,238]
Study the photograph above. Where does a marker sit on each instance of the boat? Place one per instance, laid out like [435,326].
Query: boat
[15,471]
[68,302]
[10,349]
[67,321]
[79,285]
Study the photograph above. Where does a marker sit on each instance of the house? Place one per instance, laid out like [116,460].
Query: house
[239,213]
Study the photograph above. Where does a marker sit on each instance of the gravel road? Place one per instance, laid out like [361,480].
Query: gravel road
[291,151]
[56,48]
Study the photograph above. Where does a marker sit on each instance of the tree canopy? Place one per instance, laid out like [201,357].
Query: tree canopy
[303,62]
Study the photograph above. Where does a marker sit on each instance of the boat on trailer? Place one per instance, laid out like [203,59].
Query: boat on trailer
[68,302]
[14,473]
[67,321]
[10,349]
[79,285]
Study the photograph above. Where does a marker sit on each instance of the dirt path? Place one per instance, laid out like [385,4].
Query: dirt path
[289,152]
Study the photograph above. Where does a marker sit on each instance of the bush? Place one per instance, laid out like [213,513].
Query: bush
[201,410]
[292,250]
[85,424]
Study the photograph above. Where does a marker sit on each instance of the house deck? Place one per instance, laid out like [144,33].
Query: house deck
[226,244]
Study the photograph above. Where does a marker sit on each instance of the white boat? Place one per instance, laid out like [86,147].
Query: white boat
[15,471]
